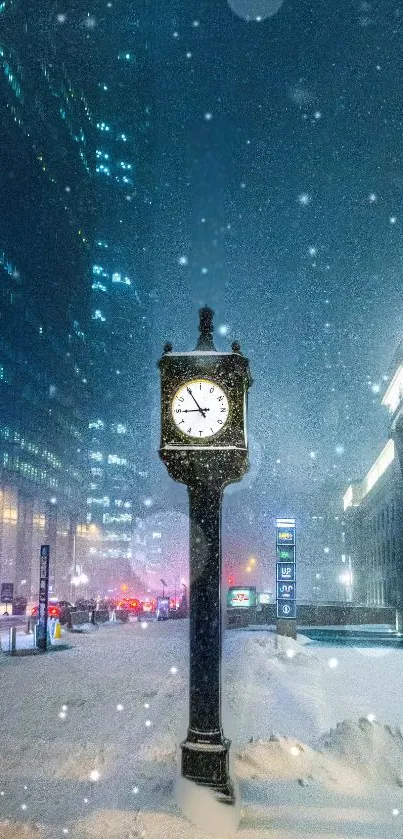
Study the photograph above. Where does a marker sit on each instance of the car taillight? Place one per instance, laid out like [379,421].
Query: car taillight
[53,613]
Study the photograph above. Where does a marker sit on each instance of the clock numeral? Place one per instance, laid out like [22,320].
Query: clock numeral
[211,390]
[223,411]
[181,398]
[220,398]
[182,420]
[200,386]
[178,410]
[189,430]
[211,429]
[220,422]
[201,432]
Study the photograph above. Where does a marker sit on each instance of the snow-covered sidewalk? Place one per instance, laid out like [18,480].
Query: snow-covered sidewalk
[90,738]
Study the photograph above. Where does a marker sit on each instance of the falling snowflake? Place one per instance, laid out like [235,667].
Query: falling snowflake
[183,260]
[208,116]
[90,22]
[304,199]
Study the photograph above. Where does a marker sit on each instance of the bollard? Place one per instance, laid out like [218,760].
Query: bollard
[399,620]
[28,630]
[35,635]
[13,640]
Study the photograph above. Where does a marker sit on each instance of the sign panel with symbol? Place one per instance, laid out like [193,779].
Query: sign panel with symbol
[285,571]
[286,609]
[286,554]
[285,591]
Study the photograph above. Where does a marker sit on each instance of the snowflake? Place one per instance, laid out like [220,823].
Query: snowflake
[304,199]
[183,260]
[372,198]
[208,116]
[61,18]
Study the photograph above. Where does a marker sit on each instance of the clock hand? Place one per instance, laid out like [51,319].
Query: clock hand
[193,410]
[195,400]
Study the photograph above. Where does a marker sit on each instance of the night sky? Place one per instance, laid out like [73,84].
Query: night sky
[278,201]
[281,177]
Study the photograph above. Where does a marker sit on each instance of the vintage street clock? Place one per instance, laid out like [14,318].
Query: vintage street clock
[204,409]
[204,444]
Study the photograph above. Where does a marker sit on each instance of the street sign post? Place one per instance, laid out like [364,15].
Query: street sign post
[7,594]
[42,628]
[286,594]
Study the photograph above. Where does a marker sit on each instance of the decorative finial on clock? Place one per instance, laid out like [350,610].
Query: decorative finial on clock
[168,347]
[205,340]
[236,347]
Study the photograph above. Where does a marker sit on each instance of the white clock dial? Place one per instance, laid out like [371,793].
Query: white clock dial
[200,408]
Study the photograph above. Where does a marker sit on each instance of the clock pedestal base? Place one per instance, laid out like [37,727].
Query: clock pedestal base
[207,764]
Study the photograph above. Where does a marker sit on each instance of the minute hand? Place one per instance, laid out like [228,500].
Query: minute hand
[195,400]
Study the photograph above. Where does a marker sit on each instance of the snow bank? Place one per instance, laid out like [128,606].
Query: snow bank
[19,830]
[373,750]
[353,758]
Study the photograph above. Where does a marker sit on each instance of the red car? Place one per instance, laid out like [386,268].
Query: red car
[130,604]
[53,611]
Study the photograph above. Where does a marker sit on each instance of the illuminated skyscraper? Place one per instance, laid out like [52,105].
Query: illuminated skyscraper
[47,148]
[117,78]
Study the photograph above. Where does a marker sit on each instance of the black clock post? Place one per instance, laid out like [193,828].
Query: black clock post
[206,460]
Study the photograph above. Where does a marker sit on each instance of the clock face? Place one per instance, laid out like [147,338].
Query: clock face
[200,408]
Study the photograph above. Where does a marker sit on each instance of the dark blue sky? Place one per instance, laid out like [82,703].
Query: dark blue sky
[281,173]
[278,174]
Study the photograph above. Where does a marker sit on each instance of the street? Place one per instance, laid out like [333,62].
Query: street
[89,735]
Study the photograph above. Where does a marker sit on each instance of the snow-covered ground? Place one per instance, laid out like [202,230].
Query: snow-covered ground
[89,739]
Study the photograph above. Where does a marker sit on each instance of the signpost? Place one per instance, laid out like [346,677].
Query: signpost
[42,627]
[286,595]
[7,594]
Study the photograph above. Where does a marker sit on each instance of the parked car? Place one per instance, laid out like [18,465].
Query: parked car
[148,606]
[130,604]
[56,609]
[19,604]
[53,611]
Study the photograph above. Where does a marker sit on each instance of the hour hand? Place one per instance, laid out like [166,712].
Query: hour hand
[194,410]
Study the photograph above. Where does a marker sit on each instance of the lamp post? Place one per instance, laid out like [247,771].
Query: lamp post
[204,445]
